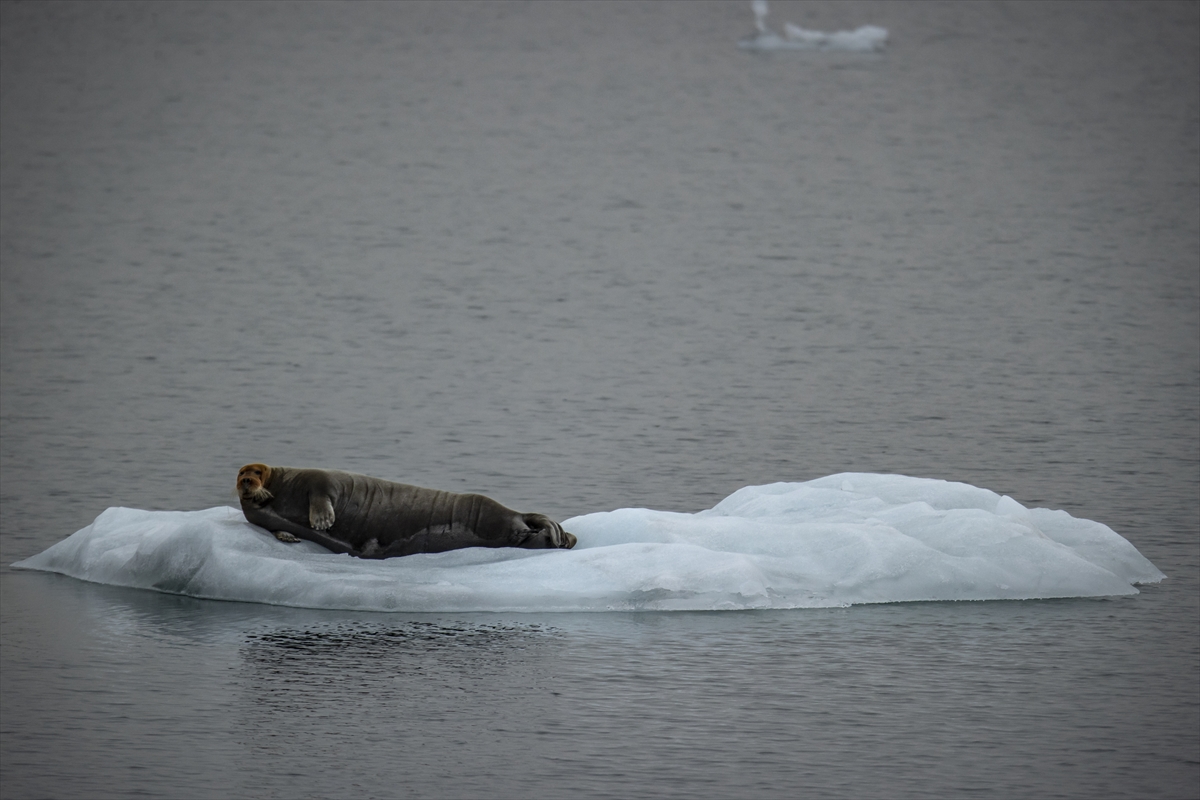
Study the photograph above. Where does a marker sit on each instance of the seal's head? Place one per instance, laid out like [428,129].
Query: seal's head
[252,483]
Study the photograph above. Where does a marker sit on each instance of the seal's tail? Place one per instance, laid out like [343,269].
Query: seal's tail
[551,529]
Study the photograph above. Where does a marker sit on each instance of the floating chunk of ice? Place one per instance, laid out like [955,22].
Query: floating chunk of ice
[866,39]
[841,540]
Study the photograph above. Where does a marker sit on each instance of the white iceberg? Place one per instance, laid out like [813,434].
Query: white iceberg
[837,541]
[865,39]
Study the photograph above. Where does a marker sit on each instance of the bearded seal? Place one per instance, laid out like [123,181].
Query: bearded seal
[372,518]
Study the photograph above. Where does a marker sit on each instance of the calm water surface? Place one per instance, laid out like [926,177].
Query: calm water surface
[582,257]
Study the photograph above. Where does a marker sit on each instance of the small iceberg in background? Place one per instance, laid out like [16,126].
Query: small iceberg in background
[867,39]
[837,541]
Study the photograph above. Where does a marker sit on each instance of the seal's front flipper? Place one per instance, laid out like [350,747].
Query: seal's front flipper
[265,517]
[284,536]
[320,512]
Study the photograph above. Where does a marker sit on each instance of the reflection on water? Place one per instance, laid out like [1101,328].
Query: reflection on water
[389,696]
[355,641]
[380,654]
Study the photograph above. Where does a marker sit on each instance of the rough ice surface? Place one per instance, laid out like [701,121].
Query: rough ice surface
[837,541]
[866,39]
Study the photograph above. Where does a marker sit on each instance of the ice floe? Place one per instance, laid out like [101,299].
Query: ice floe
[836,541]
[865,39]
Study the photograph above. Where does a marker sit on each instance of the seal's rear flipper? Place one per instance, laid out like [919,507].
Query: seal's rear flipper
[556,537]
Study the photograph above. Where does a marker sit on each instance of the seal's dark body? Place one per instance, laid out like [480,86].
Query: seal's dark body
[375,518]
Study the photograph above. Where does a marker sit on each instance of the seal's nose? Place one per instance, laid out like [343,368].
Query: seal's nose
[571,540]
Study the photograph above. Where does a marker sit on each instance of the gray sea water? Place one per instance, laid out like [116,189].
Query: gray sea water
[587,256]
